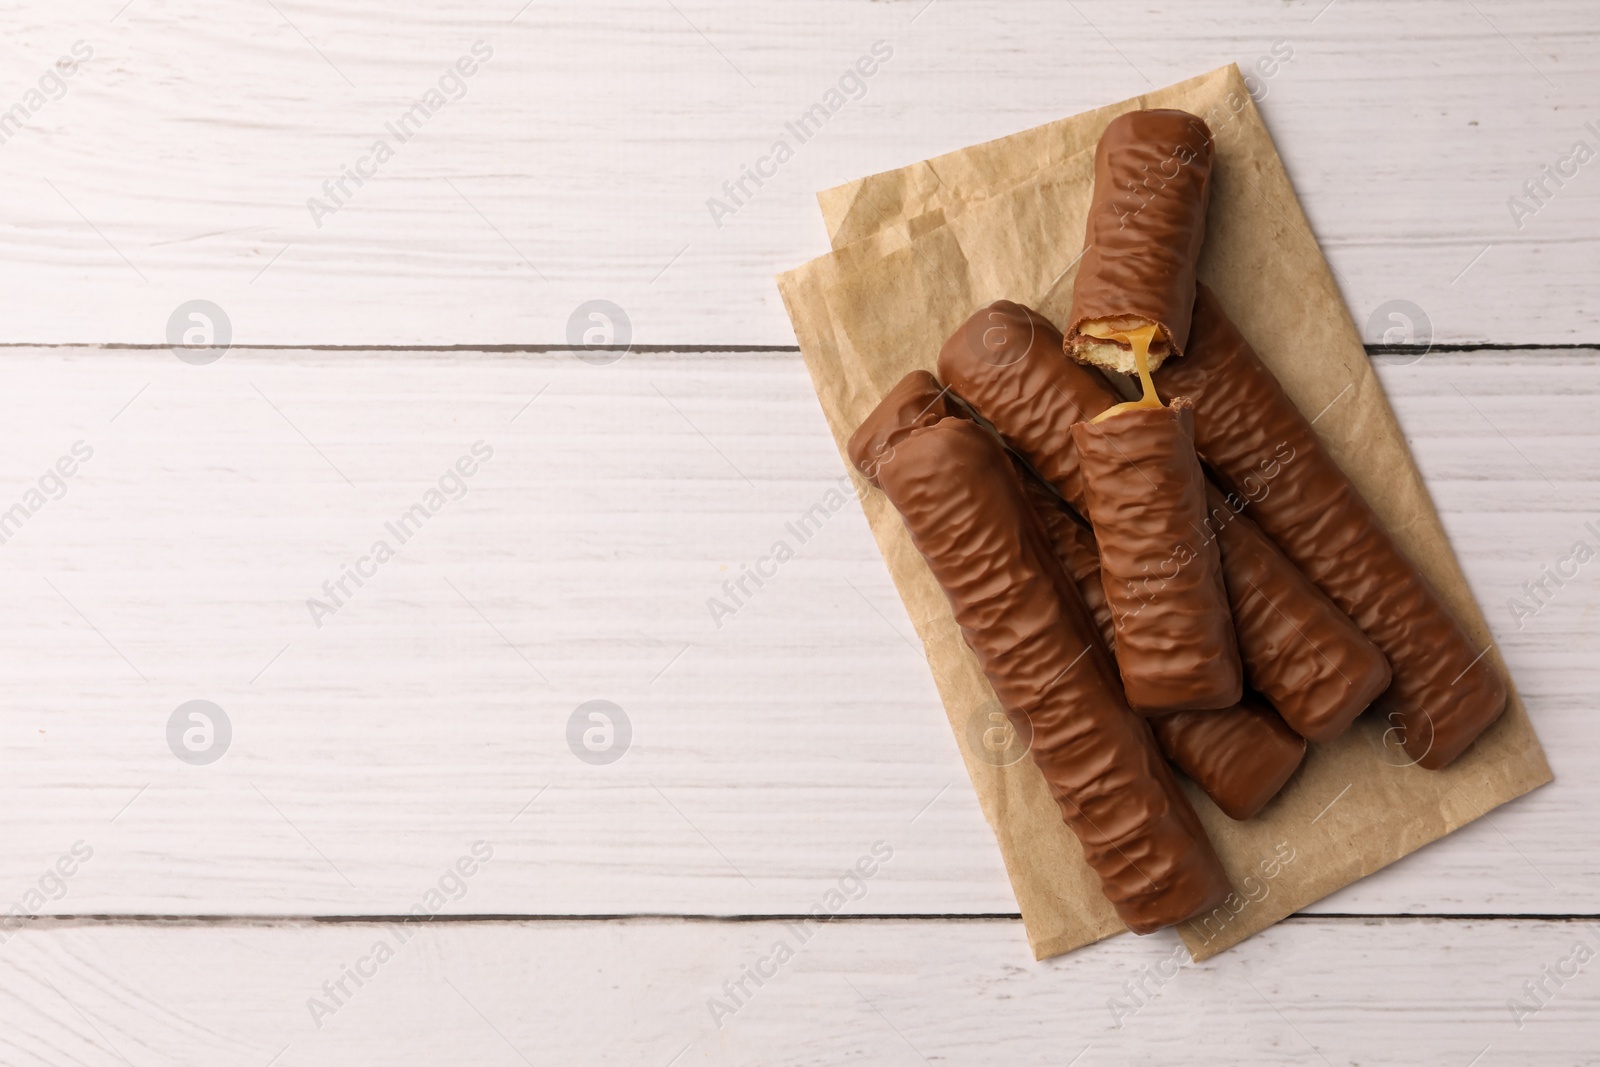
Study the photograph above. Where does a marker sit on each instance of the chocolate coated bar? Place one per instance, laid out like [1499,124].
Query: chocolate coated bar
[1240,756]
[1160,566]
[965,511]
[1306,657]
[1445,693]
[1006,361]
[1074,545]
[916,400]
[1303,650]
[1147,221]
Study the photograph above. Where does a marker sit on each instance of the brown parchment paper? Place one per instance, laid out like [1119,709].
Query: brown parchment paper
[916,251]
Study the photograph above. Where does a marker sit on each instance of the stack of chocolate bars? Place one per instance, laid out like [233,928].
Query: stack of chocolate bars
[1154,559]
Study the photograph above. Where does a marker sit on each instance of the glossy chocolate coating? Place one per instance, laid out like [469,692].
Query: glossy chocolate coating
[1240,756]
[1020,614]
[1445,693]
[916,400]
[1160,566]
[1305,655]
[1073,542]
[1006,362]
[1147,221]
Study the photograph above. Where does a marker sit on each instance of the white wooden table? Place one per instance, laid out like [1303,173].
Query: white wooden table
[171,911]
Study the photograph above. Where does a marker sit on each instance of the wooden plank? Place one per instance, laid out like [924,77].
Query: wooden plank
[431,710]
[1514,479]
[579,161]
[1369,992]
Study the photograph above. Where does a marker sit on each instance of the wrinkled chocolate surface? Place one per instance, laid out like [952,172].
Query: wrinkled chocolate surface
[1006,362]
[1073,542]
[1444,692]
[1147,221]
[1304,655]
[916,400]
[1240,756]
[1160,566]
[966,513]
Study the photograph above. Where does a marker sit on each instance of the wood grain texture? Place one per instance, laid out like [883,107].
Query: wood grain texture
[1424,991]
[579,162]
[431,711]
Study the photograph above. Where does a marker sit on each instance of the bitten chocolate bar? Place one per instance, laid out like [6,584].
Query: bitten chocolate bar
[1445,693]
[1021,615]
[1241,757]
[1304,655]
[1161,568]
[1147,221]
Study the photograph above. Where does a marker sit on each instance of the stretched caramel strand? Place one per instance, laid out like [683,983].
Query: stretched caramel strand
[1305,656]
[966,514]
[1160,566]
[1139,340]
[1241,756]
[1146,223]
[1445,693]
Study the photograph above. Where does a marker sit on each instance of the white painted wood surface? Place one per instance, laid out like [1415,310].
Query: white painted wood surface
[770,753]
[1370,992]
[431,710]
[579,161]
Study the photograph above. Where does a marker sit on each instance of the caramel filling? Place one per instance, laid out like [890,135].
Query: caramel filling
[1139,340]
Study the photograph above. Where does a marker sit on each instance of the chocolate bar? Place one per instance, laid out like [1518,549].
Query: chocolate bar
[1161,568]
[1005,361]
[1018,611]
[1307,658]
[1302,649]
[916,400]
[1147,221]
[1445,692]
[1240,756]
[1073,542]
